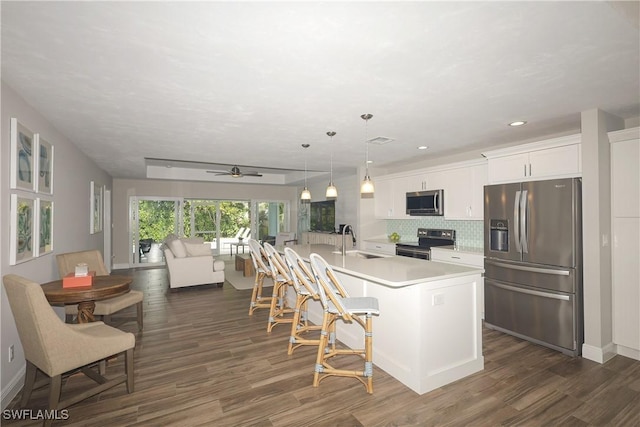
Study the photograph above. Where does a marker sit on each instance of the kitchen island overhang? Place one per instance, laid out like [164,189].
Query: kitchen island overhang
[429,332]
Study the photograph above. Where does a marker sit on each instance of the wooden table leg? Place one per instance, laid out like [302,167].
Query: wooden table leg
[85,311]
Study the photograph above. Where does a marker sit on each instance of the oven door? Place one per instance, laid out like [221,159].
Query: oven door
[413,252]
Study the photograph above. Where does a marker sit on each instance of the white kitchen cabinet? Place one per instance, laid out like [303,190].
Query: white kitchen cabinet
[464,189]
[465,256]
[463,184]
[625,232]
[554,158]
[626,286]
[381,246]
[418,182]
[390,197]
[625,176]
[383,198]
[474,258]
[436,180]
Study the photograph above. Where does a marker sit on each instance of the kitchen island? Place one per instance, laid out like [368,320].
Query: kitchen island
[429,331]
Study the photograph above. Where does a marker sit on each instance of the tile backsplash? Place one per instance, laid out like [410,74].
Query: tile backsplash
[468,233]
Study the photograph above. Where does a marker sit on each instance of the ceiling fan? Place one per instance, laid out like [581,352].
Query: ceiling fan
[236,173]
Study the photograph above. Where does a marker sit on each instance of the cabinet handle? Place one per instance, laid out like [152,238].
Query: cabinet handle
[455,257]
[525,170]
[529,169]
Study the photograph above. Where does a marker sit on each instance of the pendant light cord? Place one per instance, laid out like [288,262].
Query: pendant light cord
[331,135]
[366,118]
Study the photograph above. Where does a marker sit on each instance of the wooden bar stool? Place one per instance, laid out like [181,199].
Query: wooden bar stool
[306,289]
[338,305]
[258,258]
[281,281]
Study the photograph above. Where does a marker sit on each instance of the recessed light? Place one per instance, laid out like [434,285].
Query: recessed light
[518,123]
[369,161]
[422,147]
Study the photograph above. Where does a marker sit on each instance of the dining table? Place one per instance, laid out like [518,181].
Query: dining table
[103,287]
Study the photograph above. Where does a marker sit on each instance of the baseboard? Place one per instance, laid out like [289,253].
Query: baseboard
[597,354]
[120,266]
[13,388]
[629,352]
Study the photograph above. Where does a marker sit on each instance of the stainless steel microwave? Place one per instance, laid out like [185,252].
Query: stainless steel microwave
[425,203]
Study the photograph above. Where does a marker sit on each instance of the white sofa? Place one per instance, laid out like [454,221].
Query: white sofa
[190,262]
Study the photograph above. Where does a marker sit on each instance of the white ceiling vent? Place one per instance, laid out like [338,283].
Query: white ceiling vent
[380,140]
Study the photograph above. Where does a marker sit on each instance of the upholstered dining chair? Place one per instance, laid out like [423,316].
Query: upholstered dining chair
[107,307]
[306,289]
[259,259]
[56,348]
[279,310]
[338,305]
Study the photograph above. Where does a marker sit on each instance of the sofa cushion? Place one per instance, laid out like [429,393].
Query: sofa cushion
[192,240]
[197,249]
[177,248]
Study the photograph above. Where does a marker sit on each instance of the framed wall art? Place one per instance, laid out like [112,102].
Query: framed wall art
[44,166]
[22,157]
[45,226]
[23,244]
[95,220]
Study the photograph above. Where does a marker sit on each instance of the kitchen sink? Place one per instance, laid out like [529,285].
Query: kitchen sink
[360,254]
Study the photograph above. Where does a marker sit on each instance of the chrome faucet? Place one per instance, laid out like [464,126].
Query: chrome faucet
[353,238]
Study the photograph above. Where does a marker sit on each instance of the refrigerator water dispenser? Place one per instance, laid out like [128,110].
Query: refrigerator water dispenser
[499,235]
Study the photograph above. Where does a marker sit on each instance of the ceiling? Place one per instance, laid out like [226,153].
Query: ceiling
[247,83]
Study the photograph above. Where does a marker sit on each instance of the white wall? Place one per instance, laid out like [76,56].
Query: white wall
[347,201]
[72,173]
[596,225]
[350,208]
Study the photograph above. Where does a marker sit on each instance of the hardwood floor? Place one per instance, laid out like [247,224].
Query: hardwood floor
[202,361]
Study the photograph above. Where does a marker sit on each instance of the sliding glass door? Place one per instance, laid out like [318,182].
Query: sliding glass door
[271,217]
[221,223]
[152,219]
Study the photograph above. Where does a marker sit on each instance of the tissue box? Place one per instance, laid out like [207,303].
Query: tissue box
[73,281]
[82,269]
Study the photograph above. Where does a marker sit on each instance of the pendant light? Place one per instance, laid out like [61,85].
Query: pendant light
[332,191]
[366,189]
[305,196]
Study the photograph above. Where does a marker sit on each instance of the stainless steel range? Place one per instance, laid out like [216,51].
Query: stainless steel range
[427,238]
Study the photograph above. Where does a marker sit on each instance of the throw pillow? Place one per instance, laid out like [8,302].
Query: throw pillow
[197,249]
[178,249]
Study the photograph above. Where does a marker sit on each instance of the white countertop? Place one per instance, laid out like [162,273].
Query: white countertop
[389,241]
[465,249]
[389,270]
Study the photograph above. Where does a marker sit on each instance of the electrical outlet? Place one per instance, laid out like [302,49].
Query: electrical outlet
[438,299]
[11,353]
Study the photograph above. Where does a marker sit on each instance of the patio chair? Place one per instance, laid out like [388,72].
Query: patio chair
[235,239]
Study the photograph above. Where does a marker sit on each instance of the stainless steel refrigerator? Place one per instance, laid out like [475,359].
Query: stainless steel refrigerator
[533,262]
